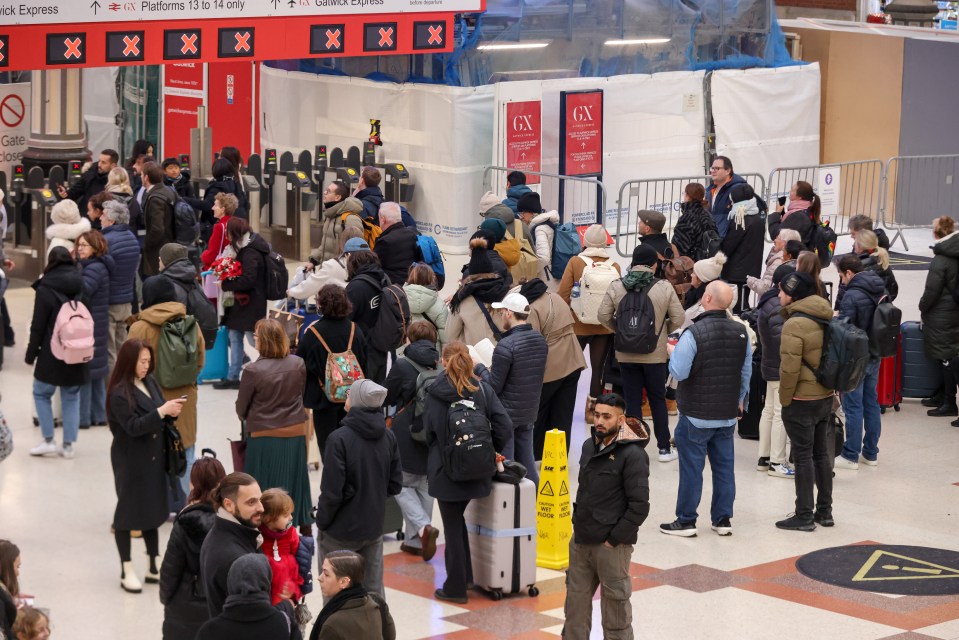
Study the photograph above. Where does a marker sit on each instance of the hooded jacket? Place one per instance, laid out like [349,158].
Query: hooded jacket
[183,274]
[517,372]
[66,281]
[401,393]
[800,350]
[96,296]
[543,230]
[862,295]
[247,613]
[769,326]
[466,322]
[719,203]
[332,227]
[397,249]
[938,307]
[364,291]
[361,468]
[513,194]
[743,242]
[507,215]
[774,260]
[181,589]
[553,318]
[870,262]
[669,312]
[613,496]
[125,251]
[227,541]
[435,421]
[371,198]
[332,271]
[693,223]
[64,234]
[243,316]
[147,326]
[158,222]
[426,304]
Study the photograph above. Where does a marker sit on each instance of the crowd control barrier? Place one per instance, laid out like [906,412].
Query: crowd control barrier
[577,199]
[917,189]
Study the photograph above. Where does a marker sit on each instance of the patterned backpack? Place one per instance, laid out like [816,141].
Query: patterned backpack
[342,369]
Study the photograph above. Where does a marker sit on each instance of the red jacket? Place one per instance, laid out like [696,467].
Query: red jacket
[280,547]
[218,240]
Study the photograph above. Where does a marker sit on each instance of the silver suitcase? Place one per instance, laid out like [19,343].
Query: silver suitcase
[502,535]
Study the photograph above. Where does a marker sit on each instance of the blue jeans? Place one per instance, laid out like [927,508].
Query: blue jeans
[520,449]
[694,446]
[190,459]
[93,402]
[862,408]
[70,403]
[236,352]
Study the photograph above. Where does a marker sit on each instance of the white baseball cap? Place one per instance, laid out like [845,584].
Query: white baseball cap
[515,302]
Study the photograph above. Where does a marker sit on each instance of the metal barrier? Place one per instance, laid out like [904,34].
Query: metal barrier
[658,194]
[916,189]
[857,190]
[578,200]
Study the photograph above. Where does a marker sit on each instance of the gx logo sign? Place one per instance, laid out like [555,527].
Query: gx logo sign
[522,123]
[583,113]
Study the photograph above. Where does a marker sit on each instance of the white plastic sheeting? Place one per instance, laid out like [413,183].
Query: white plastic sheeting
[767,118]
[442,134]
[100,108]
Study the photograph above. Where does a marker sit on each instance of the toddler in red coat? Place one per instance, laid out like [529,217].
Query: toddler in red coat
[280,542]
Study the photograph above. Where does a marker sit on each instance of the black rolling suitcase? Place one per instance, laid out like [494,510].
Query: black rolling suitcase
[393,519]
[921,375]
[749,422]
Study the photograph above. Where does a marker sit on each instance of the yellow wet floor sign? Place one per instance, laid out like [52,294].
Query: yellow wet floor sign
[899,567]
[554,516]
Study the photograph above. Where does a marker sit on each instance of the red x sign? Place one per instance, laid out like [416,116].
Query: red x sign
[436,34]
[130,46]
[73,48]
[332,38]
[2,57]
[386,37]
[242,41]
[189,43]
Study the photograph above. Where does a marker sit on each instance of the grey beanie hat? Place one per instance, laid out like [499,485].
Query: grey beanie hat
[366,394]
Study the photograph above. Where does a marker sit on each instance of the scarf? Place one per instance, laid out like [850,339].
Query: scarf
[485,287]
[595,252]
[335,604]
[796,205]
[533,290]
[638,279]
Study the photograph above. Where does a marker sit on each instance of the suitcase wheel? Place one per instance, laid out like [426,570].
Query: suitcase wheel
[896,407]
[400,535]
[533,591]
[496,594]
[882,410]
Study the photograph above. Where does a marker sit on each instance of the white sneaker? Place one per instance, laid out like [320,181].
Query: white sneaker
[842,463]
[44,449]
[67,451]
[867,461]
[668,455]
[777,470]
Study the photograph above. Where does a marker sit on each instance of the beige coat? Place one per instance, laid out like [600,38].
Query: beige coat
[802,342]
[554,319]
[146,326]
[574,271]
[665,303]
[469,325]
[332,228]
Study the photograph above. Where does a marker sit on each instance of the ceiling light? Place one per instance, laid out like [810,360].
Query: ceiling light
[513,46]
[618,43]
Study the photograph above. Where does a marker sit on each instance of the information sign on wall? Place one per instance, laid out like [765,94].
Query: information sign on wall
[524,137]
[581,138]
[829,191]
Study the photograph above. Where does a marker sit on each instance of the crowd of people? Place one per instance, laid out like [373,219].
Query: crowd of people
[392,376]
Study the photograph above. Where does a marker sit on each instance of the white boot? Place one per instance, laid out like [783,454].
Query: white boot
[129,580]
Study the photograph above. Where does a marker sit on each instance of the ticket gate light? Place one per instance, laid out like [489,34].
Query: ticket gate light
[184,160]
[369,154]
[320,163]
[269,179]
[76,171]
[16,183]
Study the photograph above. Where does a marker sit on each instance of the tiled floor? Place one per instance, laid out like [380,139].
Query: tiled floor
[743,586]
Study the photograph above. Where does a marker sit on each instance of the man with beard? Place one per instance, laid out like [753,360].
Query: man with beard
[336,202]
[92,182]
[234,534]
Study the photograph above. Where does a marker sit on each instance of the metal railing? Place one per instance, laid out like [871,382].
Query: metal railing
[658,194]
[917,189]
[578,200]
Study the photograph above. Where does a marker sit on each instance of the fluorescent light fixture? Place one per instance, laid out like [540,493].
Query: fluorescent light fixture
[506,46]
[620,43]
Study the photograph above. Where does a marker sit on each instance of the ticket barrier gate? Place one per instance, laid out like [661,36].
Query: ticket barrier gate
[292,239]
[32,196]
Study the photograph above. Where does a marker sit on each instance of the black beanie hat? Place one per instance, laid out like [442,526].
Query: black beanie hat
[644,255]
[158,289]
[529,202]
[798,285]
[479,259]
[781,272]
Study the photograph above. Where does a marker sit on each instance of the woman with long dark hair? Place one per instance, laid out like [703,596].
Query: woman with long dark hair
[137,413]
[695,220]
[458,384]
[802,214]
[185,608]
[97,270]
[9,586]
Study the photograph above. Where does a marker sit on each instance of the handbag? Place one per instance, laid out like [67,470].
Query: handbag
[173,450]
[291,323]
[238,449]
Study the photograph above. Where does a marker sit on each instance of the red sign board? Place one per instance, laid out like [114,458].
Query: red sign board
[524,137]
[582,136]
[183,94]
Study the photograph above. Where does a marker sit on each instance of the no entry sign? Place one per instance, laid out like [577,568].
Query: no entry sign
[524,137]
[12,110]
[581,118]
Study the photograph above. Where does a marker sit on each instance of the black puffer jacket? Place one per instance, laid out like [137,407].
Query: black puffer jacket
[435,416]
[799,221]
[859,302]
[695,221]
[96,296]
[372,198]
[397,249]
[401,393]
[364,291]
[361,467]
[181,590]
[66,281]
[939,309]
[870,262]
[517,374]
[249,308]
[227,185]
[770,329]
[743,246]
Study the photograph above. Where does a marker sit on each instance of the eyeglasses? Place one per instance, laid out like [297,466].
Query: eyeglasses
[716,168]
[83,244]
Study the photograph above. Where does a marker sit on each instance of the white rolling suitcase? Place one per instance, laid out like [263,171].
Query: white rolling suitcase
[502,534]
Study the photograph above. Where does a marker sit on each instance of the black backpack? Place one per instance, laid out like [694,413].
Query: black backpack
[709,245]
[469,453]
[636,322]
[824,242]
[277,277]
[186,224]
[417,404]
[200,307]
[845,354]
[392,319]
[884,332]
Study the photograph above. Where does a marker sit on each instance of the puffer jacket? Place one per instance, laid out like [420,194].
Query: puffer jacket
[862,294]
[719,203]
[939,309]
[332,227]
[401,393]
[96,296]
[332,271]
[800,350]
[669,313]
[743,243]
[769,326]
[553,318]
[516,376]
[693,223]
[759,286]
[365,296]
[513,194]
[246,312]
[426,304]
[125,250]
[573,273]
[65,234]
[543,228]
[181,590]
[870,262]
[66,281]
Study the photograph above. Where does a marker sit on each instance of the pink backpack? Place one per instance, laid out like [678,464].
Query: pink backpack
[72,338]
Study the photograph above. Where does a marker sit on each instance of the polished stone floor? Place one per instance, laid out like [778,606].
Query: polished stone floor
[742,586]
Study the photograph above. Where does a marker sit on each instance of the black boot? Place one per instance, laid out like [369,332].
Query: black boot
[933,401]
[945,409]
